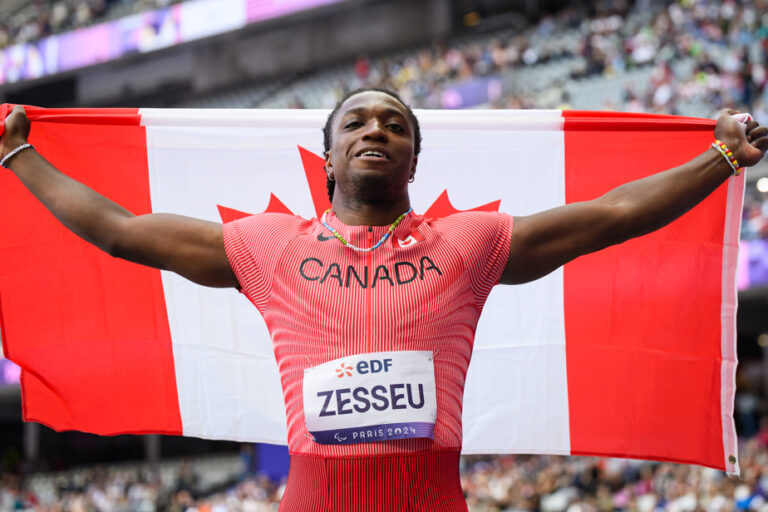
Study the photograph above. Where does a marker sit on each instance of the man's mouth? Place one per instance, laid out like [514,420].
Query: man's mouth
[372,154]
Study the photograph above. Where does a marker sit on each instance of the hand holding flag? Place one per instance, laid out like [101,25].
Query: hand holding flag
[743,135]
[14,128]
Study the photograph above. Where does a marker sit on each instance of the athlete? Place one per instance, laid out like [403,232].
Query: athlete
[372,309]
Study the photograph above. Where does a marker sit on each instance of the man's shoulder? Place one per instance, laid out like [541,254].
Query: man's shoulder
[467,219]
[274,219]
[271,226]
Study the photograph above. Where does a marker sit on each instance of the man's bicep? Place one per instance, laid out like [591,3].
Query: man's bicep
[190,247]
[542,242]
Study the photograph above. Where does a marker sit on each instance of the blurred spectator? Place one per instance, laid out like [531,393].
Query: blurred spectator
[703,55]
[41,18]
[754,222]
[491,483]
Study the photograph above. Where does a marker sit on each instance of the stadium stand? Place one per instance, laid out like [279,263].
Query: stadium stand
[491,483]
[24,22]
[691,57]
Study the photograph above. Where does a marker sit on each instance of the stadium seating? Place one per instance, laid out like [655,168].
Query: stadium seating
[559,73]
[22,21]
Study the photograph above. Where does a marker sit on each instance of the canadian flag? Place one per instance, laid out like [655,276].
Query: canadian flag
[627,352]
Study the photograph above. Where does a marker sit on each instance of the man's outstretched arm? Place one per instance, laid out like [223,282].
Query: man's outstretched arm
[192,248]
[544,241]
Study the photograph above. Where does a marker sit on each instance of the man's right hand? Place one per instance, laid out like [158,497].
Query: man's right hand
[16,131]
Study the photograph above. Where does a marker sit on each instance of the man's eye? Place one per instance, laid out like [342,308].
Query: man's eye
[396,127]
[353,124]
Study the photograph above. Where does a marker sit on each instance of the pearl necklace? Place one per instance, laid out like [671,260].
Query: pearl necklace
[360,249]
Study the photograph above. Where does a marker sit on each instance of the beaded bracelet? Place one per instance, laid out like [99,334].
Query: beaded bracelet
[14,153]
[728,155]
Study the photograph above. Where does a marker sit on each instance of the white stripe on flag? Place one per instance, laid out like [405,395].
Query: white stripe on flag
[736,187]
[520,343]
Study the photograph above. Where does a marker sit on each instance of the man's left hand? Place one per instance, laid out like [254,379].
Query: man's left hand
[748,142]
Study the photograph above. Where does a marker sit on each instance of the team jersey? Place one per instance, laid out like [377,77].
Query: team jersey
[422,290]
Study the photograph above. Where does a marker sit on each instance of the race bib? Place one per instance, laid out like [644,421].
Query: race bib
[371,397]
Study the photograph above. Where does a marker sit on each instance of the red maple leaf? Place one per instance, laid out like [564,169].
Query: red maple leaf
[275,206]
[314,169]
[442,207]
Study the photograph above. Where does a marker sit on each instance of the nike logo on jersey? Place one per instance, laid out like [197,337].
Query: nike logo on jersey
[322,238]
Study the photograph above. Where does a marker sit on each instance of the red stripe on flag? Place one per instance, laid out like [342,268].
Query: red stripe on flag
[89,331]
[642,319]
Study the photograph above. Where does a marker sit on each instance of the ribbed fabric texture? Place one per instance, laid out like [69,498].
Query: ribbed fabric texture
[419,482]
[322,301]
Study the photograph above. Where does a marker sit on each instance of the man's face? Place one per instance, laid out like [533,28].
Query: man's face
[372,148]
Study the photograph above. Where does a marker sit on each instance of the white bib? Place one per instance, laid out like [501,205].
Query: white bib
[371,397]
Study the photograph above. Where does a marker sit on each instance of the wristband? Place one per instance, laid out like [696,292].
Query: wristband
[14,153]
[728,155]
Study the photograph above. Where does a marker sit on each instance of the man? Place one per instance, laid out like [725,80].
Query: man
[344,298]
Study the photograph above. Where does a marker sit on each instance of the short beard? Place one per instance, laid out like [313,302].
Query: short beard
[374,190]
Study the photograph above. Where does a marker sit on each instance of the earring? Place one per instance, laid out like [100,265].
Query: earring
[413,178]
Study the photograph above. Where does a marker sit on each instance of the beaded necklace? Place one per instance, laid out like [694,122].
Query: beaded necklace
[360,249]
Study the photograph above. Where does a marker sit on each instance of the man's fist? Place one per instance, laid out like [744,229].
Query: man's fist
[16,131]
[748,142]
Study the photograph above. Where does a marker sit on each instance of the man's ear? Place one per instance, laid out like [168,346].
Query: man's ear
[328,165]
[413,167]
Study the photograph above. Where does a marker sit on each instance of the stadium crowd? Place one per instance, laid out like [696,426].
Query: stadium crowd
[702,55]
[579,484]
[754,222]
[724,44]
[491,484]
[42,18]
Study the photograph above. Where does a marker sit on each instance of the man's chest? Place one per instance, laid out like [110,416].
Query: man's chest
[401,278]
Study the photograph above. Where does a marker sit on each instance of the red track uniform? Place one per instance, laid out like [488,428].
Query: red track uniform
[423,289]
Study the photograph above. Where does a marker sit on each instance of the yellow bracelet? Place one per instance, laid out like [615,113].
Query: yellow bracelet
[728,155]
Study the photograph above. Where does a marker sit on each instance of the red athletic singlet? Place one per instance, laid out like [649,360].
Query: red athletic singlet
[423,289]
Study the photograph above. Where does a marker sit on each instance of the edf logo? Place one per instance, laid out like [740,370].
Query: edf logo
[365,367]
[344,369]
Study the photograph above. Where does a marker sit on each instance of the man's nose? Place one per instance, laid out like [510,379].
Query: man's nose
[375,130]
